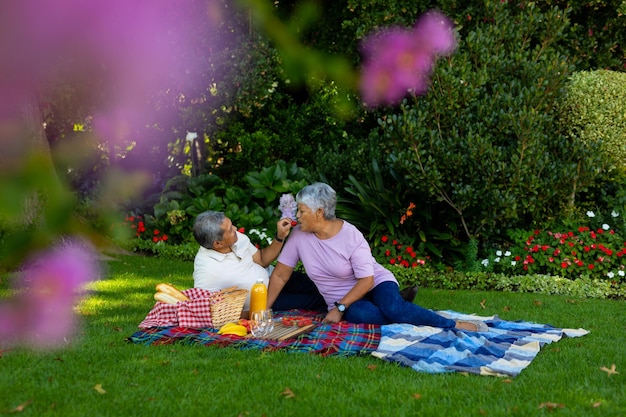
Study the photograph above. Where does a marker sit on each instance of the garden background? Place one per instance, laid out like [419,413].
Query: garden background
[120,122]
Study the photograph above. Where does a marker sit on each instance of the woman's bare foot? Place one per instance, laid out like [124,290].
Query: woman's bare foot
[471,326]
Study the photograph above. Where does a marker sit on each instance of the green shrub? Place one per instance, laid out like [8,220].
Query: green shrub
[482,144]
[597,250]
[252,208]
[583,287]
[594,112]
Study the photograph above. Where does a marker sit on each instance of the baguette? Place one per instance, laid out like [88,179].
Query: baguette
[165,298]
[168,289]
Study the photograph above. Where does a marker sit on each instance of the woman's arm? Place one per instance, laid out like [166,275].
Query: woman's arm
[278,279]
[362,287]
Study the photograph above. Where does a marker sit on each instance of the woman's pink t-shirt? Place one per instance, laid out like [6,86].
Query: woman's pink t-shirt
[334,264]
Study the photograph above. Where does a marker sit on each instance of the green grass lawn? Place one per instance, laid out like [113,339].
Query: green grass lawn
[100,374]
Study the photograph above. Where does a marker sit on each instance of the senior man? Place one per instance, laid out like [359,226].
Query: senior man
[227,257]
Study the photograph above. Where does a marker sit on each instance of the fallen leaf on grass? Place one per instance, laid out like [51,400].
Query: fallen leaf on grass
[417,396]
[371,367]
[609,371]
[288,393]
[21,407]
[99,389]
[482,304]
[506,308]
[551,406]
[507,381]
[537,303]
[597,404]
[4,350]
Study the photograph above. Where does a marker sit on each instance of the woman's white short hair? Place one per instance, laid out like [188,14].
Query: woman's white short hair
[319,195]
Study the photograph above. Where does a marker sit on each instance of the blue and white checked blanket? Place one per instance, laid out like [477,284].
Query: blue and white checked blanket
[508,347]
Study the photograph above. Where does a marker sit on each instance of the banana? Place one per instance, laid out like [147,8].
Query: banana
[233,328]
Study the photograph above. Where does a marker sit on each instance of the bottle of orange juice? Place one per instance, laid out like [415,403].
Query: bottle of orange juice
[258,296]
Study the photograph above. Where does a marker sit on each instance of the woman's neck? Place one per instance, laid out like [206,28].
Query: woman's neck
[329,228]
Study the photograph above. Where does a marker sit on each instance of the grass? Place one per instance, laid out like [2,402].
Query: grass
[100,374]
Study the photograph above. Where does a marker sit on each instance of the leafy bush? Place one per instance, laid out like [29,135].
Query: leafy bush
[596,251]
[184,252]
[594,111]
[255,207]
[583,287]
[482,146]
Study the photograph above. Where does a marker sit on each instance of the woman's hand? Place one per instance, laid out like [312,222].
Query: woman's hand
[333,316]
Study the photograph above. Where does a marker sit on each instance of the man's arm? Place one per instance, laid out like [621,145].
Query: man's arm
[278,279]
[267,255]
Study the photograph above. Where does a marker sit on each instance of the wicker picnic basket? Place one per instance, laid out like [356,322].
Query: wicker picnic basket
[227,305]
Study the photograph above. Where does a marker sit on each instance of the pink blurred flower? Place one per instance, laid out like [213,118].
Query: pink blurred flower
[400,60]
[41,313]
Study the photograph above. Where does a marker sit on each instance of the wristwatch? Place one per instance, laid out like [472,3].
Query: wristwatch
[340,307]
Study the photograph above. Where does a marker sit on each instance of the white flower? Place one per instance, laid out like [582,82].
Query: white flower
[507,253]
[513,263]
[498,253]
[606,226]
[497,259]
[485,262]
[591,214]
[610,274]
[620,273]
[614,214]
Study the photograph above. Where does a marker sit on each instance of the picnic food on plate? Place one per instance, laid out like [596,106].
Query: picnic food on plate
[170,290]
[233,328]
[297,321]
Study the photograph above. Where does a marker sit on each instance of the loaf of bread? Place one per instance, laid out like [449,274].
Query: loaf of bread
[166,298]
[169,290]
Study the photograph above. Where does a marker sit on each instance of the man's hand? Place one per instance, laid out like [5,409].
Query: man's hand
[333,316]
[283,227]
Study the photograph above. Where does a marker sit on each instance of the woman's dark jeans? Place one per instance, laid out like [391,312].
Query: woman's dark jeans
[384,305]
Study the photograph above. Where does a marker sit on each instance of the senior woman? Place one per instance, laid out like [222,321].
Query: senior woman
[339,261]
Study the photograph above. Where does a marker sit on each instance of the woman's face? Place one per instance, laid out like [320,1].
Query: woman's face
[307,218]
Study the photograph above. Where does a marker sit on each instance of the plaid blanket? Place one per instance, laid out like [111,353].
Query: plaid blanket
[507,349]
[342,338]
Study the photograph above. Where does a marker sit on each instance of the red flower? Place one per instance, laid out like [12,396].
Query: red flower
[392,261]
[384,239]
[241,230]
[164,238]
[590,266]
[387,252]
[155,239]
[156,232]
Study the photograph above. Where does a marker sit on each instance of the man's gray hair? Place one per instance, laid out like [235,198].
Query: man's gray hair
[319,195]
[207,228]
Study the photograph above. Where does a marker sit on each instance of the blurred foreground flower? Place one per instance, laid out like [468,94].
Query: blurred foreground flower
[41,314]
[400,60]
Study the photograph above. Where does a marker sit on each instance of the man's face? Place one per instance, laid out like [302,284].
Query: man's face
[229,238]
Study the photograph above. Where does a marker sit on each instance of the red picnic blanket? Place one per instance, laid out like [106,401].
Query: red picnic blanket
[195,313]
